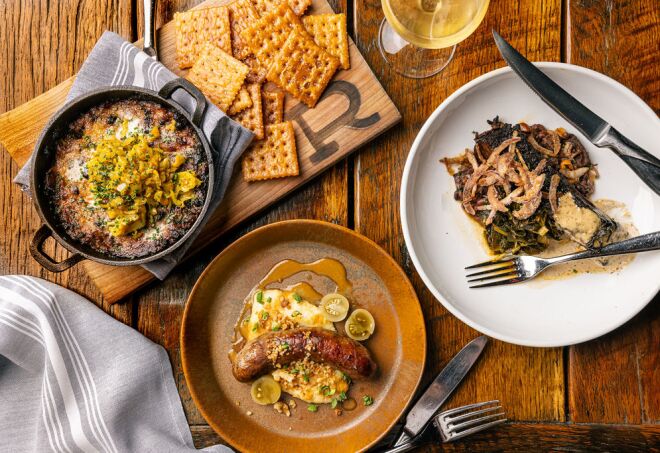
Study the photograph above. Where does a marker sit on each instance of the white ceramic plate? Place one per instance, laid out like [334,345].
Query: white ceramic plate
[442,240]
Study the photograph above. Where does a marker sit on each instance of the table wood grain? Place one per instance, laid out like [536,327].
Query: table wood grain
[601,395]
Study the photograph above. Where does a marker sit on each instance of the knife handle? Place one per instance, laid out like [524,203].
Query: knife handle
[643,163]
[624,146]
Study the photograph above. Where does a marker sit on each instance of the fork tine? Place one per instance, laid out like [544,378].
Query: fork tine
[465,408]
[490,263]
[498,283]
[476,429]
[476,421]
[490,271]
[471,414]
[508,273]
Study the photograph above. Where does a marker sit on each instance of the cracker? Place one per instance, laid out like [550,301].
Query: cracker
[257,73]
[329,31]
[302,68]
[267,35]
[253,117]
[273,157]
[298,6]
[241,15]
[197,27]
[241,102]
[219,75]
[273,106]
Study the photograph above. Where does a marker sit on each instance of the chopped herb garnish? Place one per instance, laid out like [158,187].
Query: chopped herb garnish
[312,408]
[255,327]
[276,327]
[269,299]
[264,315]
[285,346]
[347,378]
[294,371]
[305,376]
[297,297]
[342,397]
[334,402]
[295,313]
[367,400]
[260,297]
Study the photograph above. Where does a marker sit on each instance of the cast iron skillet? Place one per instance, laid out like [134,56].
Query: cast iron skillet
[44,156]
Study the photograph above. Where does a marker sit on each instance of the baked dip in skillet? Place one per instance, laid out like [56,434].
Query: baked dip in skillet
[129,178]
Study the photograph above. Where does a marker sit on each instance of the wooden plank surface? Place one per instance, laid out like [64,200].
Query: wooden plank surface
[41,45]
[620,40]
[353,110]
[531,437]
[529,382]
[613,379]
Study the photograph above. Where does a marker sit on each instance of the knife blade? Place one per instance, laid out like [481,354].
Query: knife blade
[596,129]
[440,389]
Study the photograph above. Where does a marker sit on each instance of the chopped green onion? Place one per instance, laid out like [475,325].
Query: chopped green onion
[297,297]
[260,297]
[367,400]
[312,408]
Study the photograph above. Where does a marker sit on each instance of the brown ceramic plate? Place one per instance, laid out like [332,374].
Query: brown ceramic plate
[398,345]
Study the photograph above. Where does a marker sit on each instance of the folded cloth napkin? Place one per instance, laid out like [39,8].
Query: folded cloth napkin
[73,379]
[114,61]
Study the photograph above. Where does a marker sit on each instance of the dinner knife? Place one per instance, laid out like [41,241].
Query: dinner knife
[597,130]
[442,386]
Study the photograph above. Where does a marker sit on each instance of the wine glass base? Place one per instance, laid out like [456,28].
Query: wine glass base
[408,59]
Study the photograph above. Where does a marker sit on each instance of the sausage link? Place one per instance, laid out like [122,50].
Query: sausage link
[263,354]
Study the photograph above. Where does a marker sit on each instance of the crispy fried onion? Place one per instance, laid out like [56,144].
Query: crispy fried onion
[574,174]
[556,144]
[501,170]
[552,191]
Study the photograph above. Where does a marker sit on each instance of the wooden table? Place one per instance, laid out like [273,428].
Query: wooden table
[599,395]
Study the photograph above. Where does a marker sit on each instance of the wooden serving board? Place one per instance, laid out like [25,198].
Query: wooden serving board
[353,110]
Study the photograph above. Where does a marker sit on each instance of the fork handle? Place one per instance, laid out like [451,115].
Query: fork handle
[643,243]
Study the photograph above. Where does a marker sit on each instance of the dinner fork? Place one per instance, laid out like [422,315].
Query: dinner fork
[515,269]
[455,424]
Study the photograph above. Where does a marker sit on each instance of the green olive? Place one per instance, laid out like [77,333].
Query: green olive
[360,325]
[335,307]
[265,390]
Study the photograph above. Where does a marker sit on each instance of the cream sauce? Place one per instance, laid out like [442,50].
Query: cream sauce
[608,264]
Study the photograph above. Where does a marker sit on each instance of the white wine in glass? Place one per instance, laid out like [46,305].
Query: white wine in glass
[418,37]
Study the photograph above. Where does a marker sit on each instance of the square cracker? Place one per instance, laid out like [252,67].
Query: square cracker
[273,157]
[219,75]
[241,15]
[273,106]
[329,31]
[268,34]
[302,68]
[195,28]
[298,6]
[253,117]
[241,102]
[257,73]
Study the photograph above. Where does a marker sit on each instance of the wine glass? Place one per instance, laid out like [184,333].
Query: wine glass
[418,38]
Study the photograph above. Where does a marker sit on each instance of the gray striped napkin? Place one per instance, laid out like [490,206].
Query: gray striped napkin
[114,61]
[74,379]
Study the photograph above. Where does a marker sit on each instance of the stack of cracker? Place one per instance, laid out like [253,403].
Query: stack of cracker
[232,50]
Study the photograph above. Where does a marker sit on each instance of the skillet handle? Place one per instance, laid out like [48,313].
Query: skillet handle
[48,263]
[200,100]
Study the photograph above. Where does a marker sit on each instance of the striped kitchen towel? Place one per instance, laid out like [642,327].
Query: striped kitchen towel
[114,61]
[74,379]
